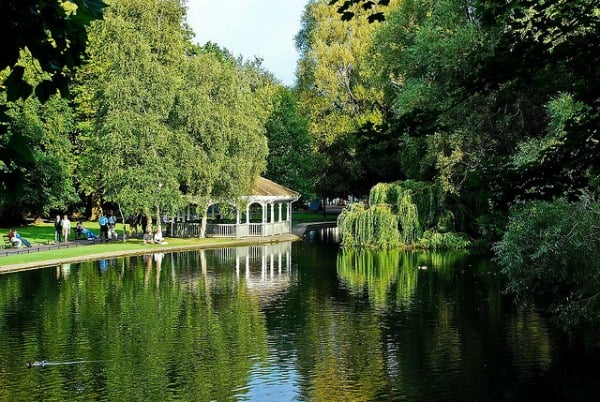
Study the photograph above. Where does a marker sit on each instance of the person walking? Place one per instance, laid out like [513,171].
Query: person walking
[66,228]
[57,229]
[103,221]
[112,223]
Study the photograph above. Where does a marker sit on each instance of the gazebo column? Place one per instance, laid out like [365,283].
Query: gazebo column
[280,210]
[264,220]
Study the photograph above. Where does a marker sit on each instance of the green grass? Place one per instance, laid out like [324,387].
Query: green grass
[43,234]
[307,216]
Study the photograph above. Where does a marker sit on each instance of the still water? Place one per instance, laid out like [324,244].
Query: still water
[283,322]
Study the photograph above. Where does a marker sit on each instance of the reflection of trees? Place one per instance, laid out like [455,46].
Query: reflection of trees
[373,271]
[187,340]
[193,329]
[435,325]
[451,339]
[341,354]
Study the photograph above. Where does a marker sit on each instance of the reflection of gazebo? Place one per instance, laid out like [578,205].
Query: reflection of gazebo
[268,211]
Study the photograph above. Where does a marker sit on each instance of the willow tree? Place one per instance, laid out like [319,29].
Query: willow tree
[220,116]
[132,154]
[405,213]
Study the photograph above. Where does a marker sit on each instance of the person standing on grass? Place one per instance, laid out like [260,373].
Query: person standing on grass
[112,222]
[66,228]
[57,229]
[103,221]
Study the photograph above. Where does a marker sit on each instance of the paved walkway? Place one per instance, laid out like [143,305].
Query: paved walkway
[45,247]
[298,230]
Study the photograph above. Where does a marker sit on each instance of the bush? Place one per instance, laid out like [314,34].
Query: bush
[550,253]
[433,240]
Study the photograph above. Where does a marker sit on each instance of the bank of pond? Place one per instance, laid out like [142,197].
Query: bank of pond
[287,321]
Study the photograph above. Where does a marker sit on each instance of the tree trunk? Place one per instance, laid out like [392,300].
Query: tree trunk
[158,221]
[96,211]
[148,228]
[203,225]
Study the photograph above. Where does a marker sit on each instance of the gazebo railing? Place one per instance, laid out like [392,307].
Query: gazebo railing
[192,229]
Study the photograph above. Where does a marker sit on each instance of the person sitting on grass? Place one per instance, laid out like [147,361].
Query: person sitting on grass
[158,238]
[16,239]
[147,238]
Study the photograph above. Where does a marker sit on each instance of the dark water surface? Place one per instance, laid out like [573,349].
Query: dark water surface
[285,322]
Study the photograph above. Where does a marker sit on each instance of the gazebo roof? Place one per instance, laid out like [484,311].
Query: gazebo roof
[266,187]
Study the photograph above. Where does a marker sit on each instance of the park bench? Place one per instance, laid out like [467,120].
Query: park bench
[7,243]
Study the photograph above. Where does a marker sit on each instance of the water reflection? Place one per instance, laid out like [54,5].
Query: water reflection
[322,235]
[302,321]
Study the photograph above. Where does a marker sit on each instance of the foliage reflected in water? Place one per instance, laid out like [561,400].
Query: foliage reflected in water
[441,321]
[308,322]
[149,332]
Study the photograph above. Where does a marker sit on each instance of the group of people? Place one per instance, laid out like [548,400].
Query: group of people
[108,225]
[62,229]
[156,238]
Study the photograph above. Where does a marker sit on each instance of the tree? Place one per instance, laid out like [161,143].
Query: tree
[336,86]
[45,183]
[556,270]
[48,37]
[292,160]
[133,155]
[220,115]
[54,32]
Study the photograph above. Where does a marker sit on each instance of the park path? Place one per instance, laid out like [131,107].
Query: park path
[142,249]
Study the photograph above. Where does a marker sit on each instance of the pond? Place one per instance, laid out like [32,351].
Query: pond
[300,321]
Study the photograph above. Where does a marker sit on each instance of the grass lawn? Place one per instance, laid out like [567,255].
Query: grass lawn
[303,216]
[43,234]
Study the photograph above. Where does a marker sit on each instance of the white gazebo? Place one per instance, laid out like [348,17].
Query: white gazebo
[267,212]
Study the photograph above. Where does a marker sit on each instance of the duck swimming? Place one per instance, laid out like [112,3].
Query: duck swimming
[37,363]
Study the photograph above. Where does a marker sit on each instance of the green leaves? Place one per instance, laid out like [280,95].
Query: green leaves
[55,35]
[348,15]
[549,254]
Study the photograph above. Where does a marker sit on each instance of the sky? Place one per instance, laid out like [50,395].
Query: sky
[262,28]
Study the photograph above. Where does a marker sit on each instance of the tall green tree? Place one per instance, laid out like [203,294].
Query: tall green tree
[292,160]
[45,183]
[219,115]
[337,89]
[53,36]
[133,155]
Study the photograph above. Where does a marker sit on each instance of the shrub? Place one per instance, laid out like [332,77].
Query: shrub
[433,240]
[550,253]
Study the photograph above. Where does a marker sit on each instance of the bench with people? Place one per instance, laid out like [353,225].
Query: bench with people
[16,240]
[83,233]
